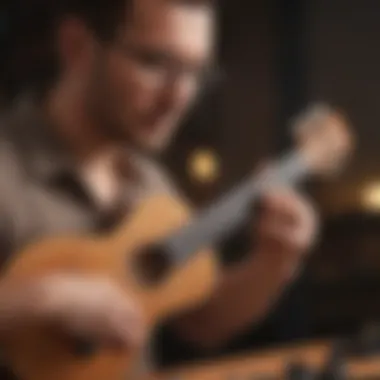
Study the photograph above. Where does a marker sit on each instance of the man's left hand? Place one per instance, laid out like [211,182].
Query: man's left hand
[287,225]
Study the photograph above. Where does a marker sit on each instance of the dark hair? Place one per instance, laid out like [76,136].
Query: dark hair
[31,57]
[31,60]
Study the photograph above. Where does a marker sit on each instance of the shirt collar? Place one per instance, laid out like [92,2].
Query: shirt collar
[45,155]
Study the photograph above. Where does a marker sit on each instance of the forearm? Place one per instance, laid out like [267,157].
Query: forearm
[17,301]
[244,296]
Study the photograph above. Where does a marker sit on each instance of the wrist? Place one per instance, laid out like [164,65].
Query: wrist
[284,264]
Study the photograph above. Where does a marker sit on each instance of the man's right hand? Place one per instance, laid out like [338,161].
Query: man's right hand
[90,308]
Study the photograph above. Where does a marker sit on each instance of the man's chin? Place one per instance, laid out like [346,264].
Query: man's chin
[151,145]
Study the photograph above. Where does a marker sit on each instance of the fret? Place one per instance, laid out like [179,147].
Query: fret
[222,218]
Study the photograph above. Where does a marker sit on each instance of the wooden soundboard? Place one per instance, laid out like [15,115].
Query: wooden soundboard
[270,365]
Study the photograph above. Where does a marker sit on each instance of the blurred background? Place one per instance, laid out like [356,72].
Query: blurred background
[276,56]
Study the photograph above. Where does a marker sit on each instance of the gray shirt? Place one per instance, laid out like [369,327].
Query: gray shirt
[41,193]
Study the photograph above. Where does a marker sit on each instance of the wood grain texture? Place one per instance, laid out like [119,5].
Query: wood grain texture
[40,353]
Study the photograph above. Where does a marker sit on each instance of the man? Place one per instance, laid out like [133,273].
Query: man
[117,74]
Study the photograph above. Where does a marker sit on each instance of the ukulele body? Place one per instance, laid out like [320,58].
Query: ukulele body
[38,353]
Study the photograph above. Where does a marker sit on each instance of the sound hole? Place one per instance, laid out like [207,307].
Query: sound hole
[152,265]
[83,348]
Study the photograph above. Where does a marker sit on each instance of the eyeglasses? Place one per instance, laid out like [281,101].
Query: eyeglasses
[166,67]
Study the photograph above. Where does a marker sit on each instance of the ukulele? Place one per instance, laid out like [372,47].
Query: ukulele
[162,256]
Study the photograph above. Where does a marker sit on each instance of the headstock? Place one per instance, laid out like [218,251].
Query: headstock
[324,139]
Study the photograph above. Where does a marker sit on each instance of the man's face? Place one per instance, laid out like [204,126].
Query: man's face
[139,87]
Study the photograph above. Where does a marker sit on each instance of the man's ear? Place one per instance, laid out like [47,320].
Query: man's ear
[75,43]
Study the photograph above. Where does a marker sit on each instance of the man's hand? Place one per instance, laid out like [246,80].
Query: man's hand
[287,226]
[285,229]
[90,308]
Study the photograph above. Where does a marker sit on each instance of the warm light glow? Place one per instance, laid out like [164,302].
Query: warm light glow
[371,197]
[204,166]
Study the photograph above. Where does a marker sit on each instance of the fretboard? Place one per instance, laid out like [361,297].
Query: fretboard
[232,210]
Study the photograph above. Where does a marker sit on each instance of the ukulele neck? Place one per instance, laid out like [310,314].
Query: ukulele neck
[231,211]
